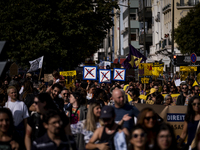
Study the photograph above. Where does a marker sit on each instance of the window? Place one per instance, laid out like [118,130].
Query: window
[133,37]
[132,16]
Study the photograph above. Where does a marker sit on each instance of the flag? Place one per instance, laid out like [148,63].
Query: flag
[134,58]
[36,64]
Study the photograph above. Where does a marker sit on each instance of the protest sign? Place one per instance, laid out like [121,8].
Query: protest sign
[70,77]
[68,73]
[89,73]
[48,77]
[36,64]
[175,116]
[119,74]
[104,76]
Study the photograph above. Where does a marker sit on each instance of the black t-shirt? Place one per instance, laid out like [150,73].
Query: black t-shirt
[59,103]
[35,122]
[5,145]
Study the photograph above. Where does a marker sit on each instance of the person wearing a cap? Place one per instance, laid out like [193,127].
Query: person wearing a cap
[122,108]
[105,135]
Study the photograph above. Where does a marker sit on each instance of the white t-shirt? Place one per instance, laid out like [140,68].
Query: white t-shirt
[19,111]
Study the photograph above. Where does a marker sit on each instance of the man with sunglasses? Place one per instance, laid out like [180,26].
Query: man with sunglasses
[107,135]
[181,98]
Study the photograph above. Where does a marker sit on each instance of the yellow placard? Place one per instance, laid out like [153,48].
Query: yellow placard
[145,80]
[188,68]
[147,67]
[68,73]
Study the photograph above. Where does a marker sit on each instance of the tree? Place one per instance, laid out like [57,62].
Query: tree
[187,34]
[64,31]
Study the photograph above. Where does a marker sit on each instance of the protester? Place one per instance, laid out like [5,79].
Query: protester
[57,77]
[77,109]
[54,93]
[55,137]
[195,91]
[165,139]
[9,139]
[168,100]
[34,128]
[181,98]
[90,93]
[134,94]
[138,139]
[192,119]
[165,89]
[19,111]
[173,89]
[28,95]
[121,109]
[148,119]
[107,135]
[100,96]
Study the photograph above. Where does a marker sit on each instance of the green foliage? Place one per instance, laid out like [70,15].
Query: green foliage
[64,31]
[187,34]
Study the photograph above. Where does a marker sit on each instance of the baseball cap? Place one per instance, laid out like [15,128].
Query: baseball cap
[107,112]
[152,90]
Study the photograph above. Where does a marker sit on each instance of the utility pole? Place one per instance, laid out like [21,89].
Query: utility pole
[144,38]
[172,67]
[129,25]
[119,36]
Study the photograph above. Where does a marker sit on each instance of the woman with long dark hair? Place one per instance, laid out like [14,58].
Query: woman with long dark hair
[165,138]
[192,119]
[165,89]
[148,119]
[8,138]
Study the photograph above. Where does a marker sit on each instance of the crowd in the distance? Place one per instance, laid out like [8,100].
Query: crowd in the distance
[35,115]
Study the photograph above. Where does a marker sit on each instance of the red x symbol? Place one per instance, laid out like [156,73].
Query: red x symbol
[119,74]
[104,76]
[89,72]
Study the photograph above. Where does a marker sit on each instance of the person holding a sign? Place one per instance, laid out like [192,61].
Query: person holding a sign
[192,119]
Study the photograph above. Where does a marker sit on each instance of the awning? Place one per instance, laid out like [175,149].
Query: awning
[121,60]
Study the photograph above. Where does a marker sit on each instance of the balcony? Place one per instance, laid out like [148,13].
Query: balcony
[163,46]
[188,5]
[167,8]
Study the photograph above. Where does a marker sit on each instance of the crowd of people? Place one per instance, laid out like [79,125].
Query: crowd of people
[35,115]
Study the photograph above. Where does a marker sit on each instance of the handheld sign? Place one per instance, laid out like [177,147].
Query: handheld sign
[119,74]
[104,76]
[89,73]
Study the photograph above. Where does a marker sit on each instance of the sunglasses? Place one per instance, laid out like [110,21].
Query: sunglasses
[137,135]
[184,88]
[194,104]
[148,118]
[35,103]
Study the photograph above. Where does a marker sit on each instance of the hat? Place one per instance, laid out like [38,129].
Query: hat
[152,90]
[107,112]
